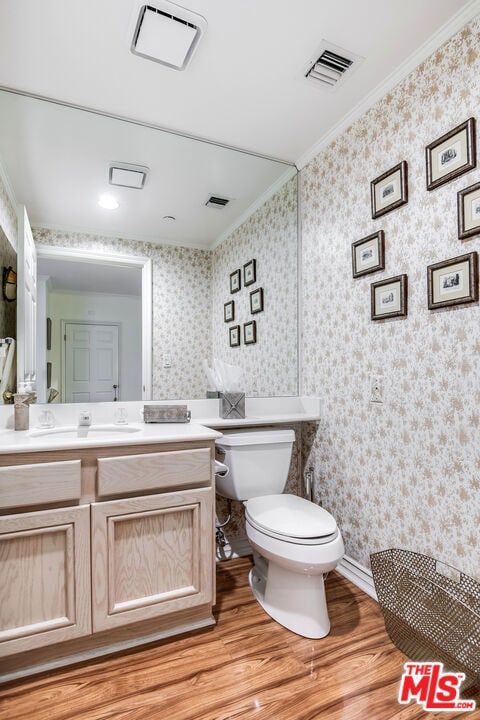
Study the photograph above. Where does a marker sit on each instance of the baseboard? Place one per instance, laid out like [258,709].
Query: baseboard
[357,574]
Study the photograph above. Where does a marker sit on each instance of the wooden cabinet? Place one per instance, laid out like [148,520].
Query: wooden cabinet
[45,570]
[101,549]
[151,556]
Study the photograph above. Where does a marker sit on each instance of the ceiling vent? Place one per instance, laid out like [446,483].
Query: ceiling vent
[167,33]
[127,175]
[331,66]
[217,202]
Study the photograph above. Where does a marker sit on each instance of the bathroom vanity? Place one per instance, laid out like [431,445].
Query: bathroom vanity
[104,546]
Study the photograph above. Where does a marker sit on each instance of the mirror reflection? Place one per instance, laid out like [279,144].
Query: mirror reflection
[57,161]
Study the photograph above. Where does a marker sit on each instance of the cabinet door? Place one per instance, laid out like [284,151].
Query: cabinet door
[45,571]
[151,556]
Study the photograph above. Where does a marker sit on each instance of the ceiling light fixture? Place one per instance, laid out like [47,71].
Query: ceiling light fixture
[167,33]
[108,202]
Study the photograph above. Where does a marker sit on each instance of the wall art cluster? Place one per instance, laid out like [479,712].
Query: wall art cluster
[256,305]
[449,282]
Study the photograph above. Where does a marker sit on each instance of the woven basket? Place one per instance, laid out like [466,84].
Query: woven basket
[431,611]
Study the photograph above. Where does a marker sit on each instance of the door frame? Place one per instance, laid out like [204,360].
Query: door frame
[145,264]
[64,324]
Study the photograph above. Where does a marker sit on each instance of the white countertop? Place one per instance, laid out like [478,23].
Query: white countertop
[205,421]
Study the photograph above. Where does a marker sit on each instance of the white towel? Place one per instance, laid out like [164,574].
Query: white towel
[8,371]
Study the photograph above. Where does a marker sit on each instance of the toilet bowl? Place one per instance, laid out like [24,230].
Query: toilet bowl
[294,541]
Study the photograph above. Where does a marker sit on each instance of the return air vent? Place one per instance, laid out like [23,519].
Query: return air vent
[331,65]
[217,202]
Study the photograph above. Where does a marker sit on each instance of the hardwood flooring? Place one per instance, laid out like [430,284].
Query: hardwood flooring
[247,666]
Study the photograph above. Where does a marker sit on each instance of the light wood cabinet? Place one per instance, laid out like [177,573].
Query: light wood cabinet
[45,570]
[151,556]
[101,549]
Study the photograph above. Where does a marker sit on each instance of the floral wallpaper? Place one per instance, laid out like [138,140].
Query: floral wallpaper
[270,237]
[404,472]
[8,310]
[8,216]
[181,279]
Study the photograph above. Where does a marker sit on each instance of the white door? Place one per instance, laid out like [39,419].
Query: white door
[91,362]
[26,301]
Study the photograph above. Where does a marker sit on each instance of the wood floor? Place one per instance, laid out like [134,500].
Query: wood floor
[247,666]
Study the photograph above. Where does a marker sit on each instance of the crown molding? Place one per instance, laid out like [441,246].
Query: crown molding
[454,25]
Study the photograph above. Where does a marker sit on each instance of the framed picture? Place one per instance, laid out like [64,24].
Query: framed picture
[229,311]
[451,155]
[453,282]
[249,272]
[250,332]
[234,336]
[368,254]
[390,190]
[468,205]
[235,281]
[389,298]
[256,301]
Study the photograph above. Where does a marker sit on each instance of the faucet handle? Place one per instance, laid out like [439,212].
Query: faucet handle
[85,417]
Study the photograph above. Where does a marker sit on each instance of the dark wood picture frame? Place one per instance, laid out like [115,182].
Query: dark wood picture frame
[235,281]
[256,301]
[49,333]
[460,281]
[249,272]
[457,143]
[250,333]
[389,297]
[468,212]
[368,254]
[389,190]
[234,335]
[229,311]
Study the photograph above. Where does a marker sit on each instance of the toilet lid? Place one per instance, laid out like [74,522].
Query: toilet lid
[290,516]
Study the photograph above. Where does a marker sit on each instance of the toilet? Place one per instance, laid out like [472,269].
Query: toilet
[294,541]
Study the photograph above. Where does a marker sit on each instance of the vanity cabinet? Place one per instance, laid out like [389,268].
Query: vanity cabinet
[101,549]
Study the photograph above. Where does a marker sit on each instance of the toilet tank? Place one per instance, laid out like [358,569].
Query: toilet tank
[258,462]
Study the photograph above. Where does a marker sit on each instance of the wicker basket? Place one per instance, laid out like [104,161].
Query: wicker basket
[431,611]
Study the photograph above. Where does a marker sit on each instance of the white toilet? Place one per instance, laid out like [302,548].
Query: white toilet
[294,541]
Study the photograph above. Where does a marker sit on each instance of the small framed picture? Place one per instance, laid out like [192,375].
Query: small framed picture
[234,336]
[256,301]
[249,272]
[390,190]
[229,311]
[235,281]
[451,155]
[368,254]
[250,332]
[468,205]
[453,282]
[389,298]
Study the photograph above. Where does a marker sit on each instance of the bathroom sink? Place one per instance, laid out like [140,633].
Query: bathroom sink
[97,432]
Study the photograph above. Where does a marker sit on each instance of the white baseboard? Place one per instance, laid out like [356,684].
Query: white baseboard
[357,574]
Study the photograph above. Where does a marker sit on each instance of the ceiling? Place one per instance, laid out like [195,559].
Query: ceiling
[245,88]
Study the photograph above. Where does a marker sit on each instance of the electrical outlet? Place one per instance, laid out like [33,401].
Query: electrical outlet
[376,390]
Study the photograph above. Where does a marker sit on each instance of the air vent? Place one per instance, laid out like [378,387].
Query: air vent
[217,202]
[167,33]
[127,175]
[331,65]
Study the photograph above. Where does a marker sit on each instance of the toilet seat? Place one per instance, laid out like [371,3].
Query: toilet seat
[292,519]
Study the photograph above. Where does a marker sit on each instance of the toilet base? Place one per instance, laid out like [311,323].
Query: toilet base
[294,600]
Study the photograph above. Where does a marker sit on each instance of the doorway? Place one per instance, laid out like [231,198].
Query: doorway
[91,362]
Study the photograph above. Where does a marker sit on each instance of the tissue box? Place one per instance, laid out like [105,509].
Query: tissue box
[232,406]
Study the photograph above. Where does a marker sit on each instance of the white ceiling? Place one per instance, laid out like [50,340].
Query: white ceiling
[245,87]
[89,277]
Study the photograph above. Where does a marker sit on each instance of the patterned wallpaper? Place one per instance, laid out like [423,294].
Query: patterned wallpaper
[181,307]
[404,473]
[8,310]
[270,237]
[8,216]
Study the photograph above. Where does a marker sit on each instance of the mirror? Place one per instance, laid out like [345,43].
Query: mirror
[57,159]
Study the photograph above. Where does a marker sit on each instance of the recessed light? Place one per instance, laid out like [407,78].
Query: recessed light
[108,202]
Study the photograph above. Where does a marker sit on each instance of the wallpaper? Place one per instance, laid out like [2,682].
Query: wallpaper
[270,237]
[8,216]
[8,310]
[404,472]
[181,279]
